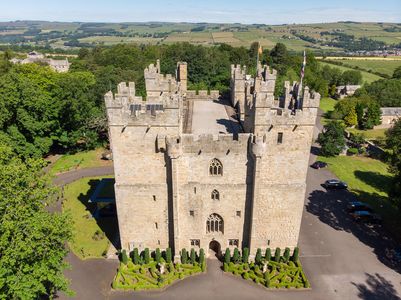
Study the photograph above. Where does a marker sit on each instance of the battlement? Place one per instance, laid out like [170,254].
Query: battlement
[203,95]
[238,72]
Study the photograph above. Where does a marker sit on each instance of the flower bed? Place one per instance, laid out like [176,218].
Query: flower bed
[155,274]
[272,272]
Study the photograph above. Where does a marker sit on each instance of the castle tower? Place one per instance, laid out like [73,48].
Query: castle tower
[182,76]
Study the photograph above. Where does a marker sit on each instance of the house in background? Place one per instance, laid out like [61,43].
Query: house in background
[343,91]
[389,116]
[58,65]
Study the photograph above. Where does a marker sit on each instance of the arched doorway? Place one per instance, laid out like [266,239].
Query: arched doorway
[214,249]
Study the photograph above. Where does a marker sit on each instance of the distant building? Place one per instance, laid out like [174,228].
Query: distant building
[58,65]
[389,116]
[343,91]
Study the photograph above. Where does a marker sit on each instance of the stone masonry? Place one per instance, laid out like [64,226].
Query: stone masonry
[181,183]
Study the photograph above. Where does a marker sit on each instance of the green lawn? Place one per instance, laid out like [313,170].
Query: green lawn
[370,180]
[366,77]
[371,134]
[327,104]
[85,227]
[382,66]
[80,160]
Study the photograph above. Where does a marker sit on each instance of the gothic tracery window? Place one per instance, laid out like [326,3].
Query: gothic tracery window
[215,168]
[215,195]
[214,223]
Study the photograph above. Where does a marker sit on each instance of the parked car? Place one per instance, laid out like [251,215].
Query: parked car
[358,206]
[319,164]
[335,184]
[366,217]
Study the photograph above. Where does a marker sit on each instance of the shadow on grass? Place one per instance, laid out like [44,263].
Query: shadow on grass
[331,208]
[378,181]
[109,225]
[376,288]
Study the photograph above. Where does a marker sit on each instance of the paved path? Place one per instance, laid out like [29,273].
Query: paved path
[68,177]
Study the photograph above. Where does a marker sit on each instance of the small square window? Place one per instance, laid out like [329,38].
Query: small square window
[280,138]
[192,213]
[238,213]
[233,242]
[195,243]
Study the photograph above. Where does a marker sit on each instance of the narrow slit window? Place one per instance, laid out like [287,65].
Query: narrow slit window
[280,138]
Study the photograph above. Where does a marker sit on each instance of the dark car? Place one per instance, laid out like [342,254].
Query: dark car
[335,184]
[357,205]
[319,164]
[366,217]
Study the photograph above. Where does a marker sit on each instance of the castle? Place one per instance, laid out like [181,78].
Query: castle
[193,170]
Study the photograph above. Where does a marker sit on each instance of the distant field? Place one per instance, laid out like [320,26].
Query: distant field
[382,66]
[366,77]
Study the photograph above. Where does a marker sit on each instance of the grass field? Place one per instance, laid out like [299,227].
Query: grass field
[366,77]
[371,134]
[382,66]
[370,180]
[85,228]
[80,160]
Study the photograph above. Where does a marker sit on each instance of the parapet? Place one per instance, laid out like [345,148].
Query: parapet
[258,145]
[310,100]
[203,95]
[238,72]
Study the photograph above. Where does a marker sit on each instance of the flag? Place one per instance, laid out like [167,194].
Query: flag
[260,50]
[303,67]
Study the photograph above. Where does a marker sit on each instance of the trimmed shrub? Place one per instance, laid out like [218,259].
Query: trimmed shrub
[286,255]
[225,267]
[277,255]
[258,257]
[124,257]
[295,254]
[352,151]
[193,256]
[201,256]
[236,256]
[135,256]
[203,266]
[267,279]
[227,256]
[245,255]
[158,255]
[245,275]
[168,255]
[268,254]
[184,256]
[146,256]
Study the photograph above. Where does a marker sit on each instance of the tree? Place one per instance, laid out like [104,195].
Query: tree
[372,116]
[227,256]
[295,254]
[201,256]
[277,255]
[124,257]
[236,257]
[351,119]
[286,255]
[135,256]
[146,256]
[279,58]
[332,139]
[258,256]
[351,77]
[268,254]
[158,255]
[168,255]
[193,256]
[32,239]
[245,255]
[393,143]
[397,73]
[184,256]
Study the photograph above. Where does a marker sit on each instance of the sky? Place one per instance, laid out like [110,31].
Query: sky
[213,11]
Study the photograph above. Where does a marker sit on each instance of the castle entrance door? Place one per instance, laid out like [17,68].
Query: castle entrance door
[214,249]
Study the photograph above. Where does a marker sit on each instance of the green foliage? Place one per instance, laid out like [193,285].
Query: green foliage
[371,117]
[397,73]
[236,257]
[295,255]
[332,139]
[387,92]
[245,255]
[286,255]
[184,256]
[351,119]
[353,151]
[227,256]
[124,257]
[268,254]
[258,256]
[393,142]
[193,256]
[135,256]
[146,256]
[267,279]
[277,255]
[201,256]
[32,239]
[168,255]
[158,255]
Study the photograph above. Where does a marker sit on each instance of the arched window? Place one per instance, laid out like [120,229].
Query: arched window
[215,168]
[215,195]
[214,223]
